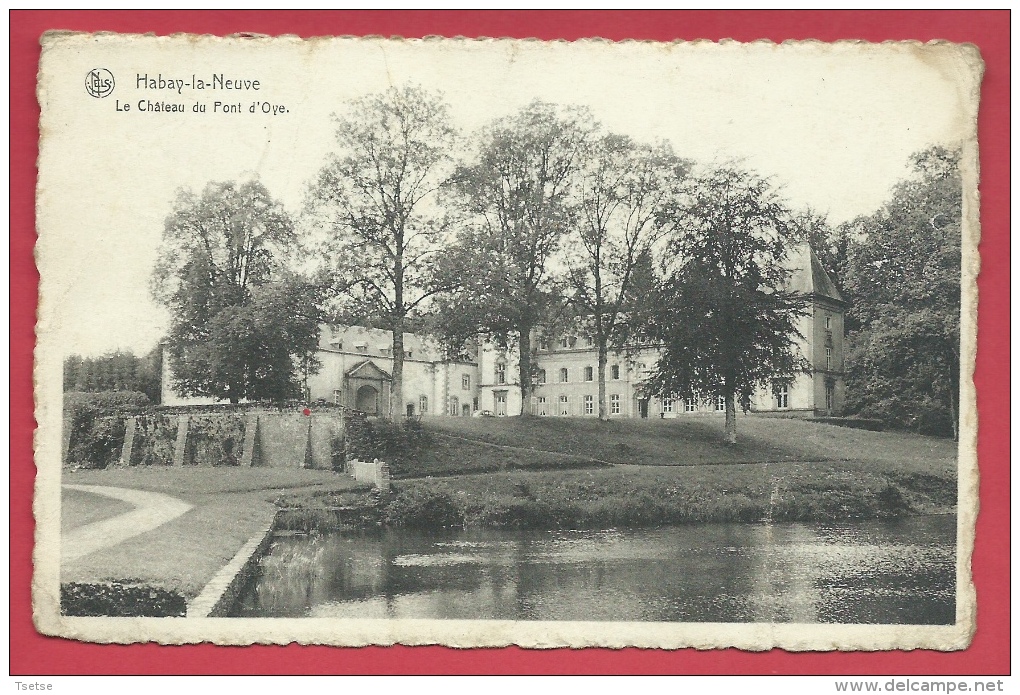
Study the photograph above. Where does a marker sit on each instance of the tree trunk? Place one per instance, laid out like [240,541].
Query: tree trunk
[524,341]
[731,419]
[397,385]
[603,359]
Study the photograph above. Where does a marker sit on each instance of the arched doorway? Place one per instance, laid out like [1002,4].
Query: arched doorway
[367,400]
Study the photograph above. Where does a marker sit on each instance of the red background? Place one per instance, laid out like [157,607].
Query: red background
[32,654]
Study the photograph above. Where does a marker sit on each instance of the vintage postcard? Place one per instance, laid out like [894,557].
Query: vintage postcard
[360,341]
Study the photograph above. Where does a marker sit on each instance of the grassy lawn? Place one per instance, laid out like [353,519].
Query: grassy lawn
[688,441]
[78,508]
[230,505]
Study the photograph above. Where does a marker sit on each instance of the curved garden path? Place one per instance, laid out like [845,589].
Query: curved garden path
[152,510]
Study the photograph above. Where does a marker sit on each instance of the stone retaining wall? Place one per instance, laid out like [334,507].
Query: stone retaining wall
[255,439]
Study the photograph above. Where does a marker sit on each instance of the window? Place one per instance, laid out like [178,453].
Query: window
[614,404]
[667,404]
[454,406]
[541,376]
[829,396]
[589,342]
[782,393]
[828,359]
[501,372]
[423,405]
[337,395]
[690,405]
[564,405]
[361,347]
[407,354]
[828,322]
[385,350]
[465,382]
[543,343]
[720,404]
[614,372]
[500,403]
[564,342]
[542,406]
[564,375]
[588,374]
[589,405]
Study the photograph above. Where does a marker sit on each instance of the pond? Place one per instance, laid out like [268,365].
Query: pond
[893,571]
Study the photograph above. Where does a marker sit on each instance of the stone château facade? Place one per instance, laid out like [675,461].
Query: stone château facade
[357,364]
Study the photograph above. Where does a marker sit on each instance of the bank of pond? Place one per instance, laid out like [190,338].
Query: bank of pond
[632,497]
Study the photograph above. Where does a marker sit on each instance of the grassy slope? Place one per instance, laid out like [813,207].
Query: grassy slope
[696,440]
[677,471]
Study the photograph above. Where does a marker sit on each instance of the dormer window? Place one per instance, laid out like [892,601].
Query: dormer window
[407,354]
[361,347]
[564,342]
[385,350]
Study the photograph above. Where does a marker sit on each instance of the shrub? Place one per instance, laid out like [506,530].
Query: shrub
[400,444]
[120,600]
[96,424]
[358,437]
[425,508]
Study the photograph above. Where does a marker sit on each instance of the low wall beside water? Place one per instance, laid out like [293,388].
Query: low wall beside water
[375,472]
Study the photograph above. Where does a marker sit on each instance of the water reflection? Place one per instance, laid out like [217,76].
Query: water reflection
[900,571]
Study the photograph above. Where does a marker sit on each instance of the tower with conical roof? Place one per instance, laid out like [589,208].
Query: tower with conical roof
[822,391]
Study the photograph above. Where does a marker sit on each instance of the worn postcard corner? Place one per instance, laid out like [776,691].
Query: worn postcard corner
[367,341]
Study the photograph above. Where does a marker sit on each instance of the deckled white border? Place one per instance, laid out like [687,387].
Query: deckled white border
[483,633]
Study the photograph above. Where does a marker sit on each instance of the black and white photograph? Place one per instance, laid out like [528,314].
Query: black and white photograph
[490,342]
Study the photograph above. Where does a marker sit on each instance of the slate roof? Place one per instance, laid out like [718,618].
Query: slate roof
[809,277]
[375,342]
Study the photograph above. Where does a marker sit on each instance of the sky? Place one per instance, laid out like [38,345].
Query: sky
[834,125]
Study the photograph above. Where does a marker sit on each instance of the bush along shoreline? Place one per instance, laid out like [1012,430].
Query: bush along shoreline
[615,499]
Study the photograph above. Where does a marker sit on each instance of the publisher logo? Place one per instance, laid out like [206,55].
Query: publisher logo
[99,83]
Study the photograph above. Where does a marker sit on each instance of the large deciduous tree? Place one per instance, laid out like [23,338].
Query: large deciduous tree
[517,198]
[621,189]
[239,330]
[726,321]
[376,198]
[903,283]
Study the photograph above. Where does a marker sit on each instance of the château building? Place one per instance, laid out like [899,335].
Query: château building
[357,365]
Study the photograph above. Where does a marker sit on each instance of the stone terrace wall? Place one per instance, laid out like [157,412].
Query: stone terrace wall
[270,439]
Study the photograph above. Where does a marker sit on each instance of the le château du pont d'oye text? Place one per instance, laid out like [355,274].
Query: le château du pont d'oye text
[165,88]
